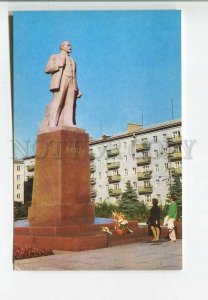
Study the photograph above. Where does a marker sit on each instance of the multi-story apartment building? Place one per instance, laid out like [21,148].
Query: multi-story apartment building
[147,157]
[29,165]
[18,180]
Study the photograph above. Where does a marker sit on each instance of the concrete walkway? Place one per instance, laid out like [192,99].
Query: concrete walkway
[137,256]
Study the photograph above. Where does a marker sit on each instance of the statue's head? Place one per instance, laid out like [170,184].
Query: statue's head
[66,46]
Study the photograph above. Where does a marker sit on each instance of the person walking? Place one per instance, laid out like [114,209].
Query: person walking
[154,220]
[170,219]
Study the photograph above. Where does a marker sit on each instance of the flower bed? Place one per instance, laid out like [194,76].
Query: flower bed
[22,252]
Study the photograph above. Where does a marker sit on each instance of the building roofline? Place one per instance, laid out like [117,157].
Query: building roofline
[18,160]
[28,157]
[152,128]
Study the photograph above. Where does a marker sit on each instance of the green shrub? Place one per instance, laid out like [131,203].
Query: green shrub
[105,209]
[20,210]
[131,207]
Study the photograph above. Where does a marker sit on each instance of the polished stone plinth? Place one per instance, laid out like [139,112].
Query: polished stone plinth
[61,208]
[61,188]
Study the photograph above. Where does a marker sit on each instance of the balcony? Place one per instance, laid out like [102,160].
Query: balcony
[114,192]
[113,165]
[93,194]
[31,168]
[30,177]
[112,152]
[175,156]
[114,178]
[175,171]
[142,147]
[92,156]
[145,190]
[92,168]
[144,175]
[143,161]
[174,141]
[93,181]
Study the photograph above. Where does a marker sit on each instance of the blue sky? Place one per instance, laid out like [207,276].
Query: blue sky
[128,65]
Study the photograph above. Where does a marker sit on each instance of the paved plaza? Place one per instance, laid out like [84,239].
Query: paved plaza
[138,256]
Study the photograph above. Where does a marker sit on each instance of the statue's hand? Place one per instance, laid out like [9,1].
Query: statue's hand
[79,94]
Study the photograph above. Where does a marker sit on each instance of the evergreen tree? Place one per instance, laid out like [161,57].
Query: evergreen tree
[130,206]
[176,190]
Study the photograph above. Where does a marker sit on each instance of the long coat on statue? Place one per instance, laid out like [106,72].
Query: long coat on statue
[55,66]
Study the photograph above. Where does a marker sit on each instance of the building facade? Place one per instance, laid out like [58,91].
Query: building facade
[29,166]
[18,180]
[148,157]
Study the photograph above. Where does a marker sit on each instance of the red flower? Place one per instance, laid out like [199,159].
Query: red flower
[23,252]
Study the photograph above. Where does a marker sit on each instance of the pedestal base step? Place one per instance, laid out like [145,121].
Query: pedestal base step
[66,243]
[82,237]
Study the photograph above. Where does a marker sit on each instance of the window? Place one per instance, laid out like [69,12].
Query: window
[147,198]
[177,149]
[115,172]
[146,183]
[18,177]
[164,136]
[18,196]
[134,170]
[178,164]
[144,140]
[155,153]
[133,143]
[125,157]
[166,166]
[133,156]
[115,146]
[135,185]
[99,163]
[99,175]
[145,168]
[125,172]
[18,168]
[158,196]
[124,145]
[157,182]
[18,186]
[165,150]
[167,181]
[155,138]
[116,186]
[145,154]
[98,150]
[176,134]
[156,168]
